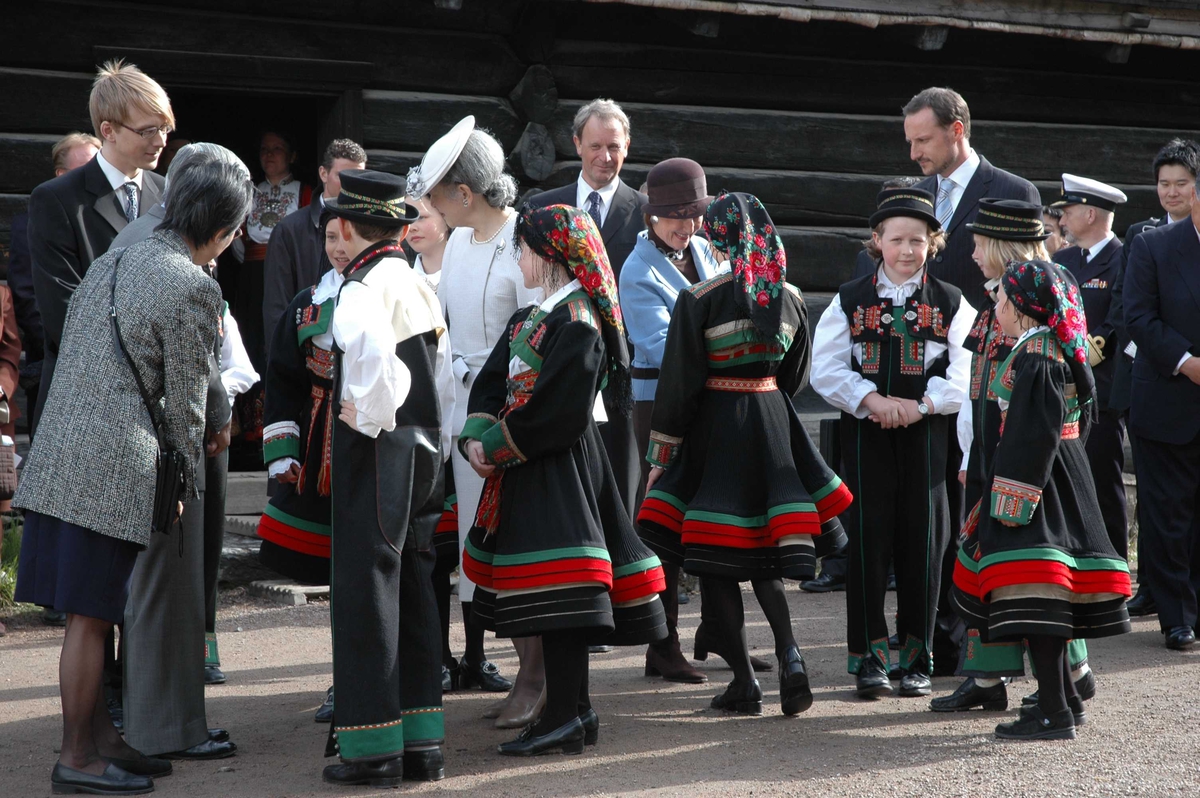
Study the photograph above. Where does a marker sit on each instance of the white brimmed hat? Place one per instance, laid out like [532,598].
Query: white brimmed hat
[1085,191]
[439,158]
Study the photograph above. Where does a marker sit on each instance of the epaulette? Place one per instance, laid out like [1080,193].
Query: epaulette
[700,289]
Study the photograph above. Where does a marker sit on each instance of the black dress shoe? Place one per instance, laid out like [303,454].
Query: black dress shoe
[1074,703]
[113,781]
[825,583]
[143,766]
[591,727]
[744,699]
[485,676]
[447,680]
[213,675]
[116,713]
[1085,687]
[1142,604]
[54,618]
[706,644]
[388,773]
[325,711]
[426,765]
[599,649]
[970,695]
[208,749]
[915,684]
[1033,724]
[795,695]
[1181,638]
[567,737]
[872,680]
[218,735]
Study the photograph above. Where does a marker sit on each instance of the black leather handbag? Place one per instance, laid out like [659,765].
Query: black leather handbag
[169,478]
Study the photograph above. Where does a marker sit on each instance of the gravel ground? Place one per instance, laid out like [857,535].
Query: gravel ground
[656,738]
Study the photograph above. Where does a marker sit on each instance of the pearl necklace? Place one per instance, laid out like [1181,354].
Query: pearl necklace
[492,237]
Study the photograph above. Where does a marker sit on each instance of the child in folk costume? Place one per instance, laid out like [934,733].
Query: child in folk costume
[553,552]
[888,354]
[1005,231]
[1036,561]
[737,491]
[392,380]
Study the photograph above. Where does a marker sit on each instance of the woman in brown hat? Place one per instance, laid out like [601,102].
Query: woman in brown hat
[667,258]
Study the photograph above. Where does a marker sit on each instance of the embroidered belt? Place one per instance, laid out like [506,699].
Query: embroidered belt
[255,251]
[487,515]
[735,385]
[321,363]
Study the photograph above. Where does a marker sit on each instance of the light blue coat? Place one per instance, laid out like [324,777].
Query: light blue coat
[649,286]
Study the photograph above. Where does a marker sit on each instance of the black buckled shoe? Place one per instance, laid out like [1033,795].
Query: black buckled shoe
[1075,704]
[143,765]
[485,676]
[872,680]
[591,727]
[567,737]
[1085,687]
[113,781]
[915,684]
[795,695]
[325,711]
[706,644]
[744,699]
[425,765]
[388,773]
[209,749]
[1033,724]
[825,583]
[970,695]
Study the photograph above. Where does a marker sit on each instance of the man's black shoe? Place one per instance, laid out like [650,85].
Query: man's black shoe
[485,675]
[426,765]
[872,680]
[325,711]
[1033,724]
[213,675]
[970,695]
[113,781]
[1142,604]
[209,749]
[1181,638]
[825,583]
[915,684]
[388,773]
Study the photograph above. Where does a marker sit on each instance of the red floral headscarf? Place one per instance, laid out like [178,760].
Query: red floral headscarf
[568,236]
[740,228]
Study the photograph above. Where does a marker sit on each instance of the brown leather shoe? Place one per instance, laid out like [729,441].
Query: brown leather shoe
[670,664]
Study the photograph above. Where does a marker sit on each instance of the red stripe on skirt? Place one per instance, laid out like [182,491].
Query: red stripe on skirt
[477,572]
[794,524]
[1030,572]
[636,586]
[835,503]
[655,511]
[559,572]
[293,539]
[707,533]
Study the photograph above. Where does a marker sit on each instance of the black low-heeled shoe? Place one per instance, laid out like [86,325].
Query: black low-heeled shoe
[872,680]
[1074,703]
[795,695]
[970,695]
[591,727]
[567,737]
[218,735]
[209,749]
[113,781]
[744,699]
[325,711]
[485,676]
[1033,724]
[143,765]
[447,680]
[426,765]
[388,773]
[1085,686]
[915,684]
[213,675]
[705,644]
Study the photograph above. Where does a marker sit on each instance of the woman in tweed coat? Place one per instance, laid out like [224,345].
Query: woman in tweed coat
[88,485]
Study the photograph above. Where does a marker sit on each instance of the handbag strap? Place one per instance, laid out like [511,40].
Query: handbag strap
[137,376]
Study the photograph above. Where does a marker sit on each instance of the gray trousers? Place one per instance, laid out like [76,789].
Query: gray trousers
[164,640]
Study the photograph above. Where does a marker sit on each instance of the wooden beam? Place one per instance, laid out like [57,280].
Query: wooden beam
[26,160]
[42,101]
[407,120]
[243,70]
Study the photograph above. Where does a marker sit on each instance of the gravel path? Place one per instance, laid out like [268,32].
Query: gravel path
[657,738]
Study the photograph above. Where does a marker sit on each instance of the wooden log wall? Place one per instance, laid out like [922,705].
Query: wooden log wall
[805,116]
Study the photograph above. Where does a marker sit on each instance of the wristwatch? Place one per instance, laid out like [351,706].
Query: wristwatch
[922,408]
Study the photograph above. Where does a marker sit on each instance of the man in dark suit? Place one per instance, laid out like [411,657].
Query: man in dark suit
[296,256]
[74,217]
[601,135]
[1096,260]
[1162,315]
[937,126]
[1175,170]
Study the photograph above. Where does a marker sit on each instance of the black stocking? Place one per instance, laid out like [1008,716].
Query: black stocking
[1048,655]
[566,656]
[1068,683]
[723,607]
[474,653]
[774,605]
[441,591]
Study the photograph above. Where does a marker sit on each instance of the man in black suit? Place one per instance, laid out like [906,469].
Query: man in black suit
[1096,260]
[1162,315]
[601,135]
[937,127]
[1175,170]
[296,256]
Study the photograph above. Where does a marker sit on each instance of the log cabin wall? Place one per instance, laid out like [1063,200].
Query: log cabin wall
[804,115]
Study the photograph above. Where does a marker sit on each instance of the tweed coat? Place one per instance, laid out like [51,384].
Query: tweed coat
[93,462]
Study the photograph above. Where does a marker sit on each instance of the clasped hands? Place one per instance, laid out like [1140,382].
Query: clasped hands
[890,412]
[478,460]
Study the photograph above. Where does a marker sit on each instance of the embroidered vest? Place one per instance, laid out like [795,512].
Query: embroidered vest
[989,348]
[893,337]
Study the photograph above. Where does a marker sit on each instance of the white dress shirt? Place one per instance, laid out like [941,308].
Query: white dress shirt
[1095,249]
[834,378]
[583,191]
[117,179]
[961,176]
[237,373]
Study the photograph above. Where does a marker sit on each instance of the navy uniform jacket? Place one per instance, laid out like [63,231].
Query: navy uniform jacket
[1096,281]
[1162,314]
[954,264]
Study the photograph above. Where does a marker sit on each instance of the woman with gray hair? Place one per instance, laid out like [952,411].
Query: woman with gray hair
[89,482]
[463,177]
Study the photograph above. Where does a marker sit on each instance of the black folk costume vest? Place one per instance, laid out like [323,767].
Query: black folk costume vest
[893,338]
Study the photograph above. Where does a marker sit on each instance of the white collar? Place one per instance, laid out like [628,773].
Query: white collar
[266,185]
[328,287]
[990,286]
[582,190]
[1094,250]
[965,171]
[558,296]
[886,282]
[117,178]
[1032,331]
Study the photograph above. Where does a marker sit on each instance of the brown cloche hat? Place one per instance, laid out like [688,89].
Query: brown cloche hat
[677,189]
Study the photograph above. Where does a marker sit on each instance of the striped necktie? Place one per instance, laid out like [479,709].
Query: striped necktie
[945,208]
[131,207]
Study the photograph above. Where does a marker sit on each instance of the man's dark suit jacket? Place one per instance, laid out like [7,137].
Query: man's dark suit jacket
[72,220]
[20,280]
[1119,397]
[1162,315]
[953,264]
[296,260]
[621,226]
[1097,280]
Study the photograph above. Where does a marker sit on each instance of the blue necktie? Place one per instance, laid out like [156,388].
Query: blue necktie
[131,207]
[594,207]
[945,208]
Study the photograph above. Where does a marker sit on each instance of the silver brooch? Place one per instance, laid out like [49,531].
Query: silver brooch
[414,186]
[910,315]
[886,318]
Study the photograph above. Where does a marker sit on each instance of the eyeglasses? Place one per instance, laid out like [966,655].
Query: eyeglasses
[150,132]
